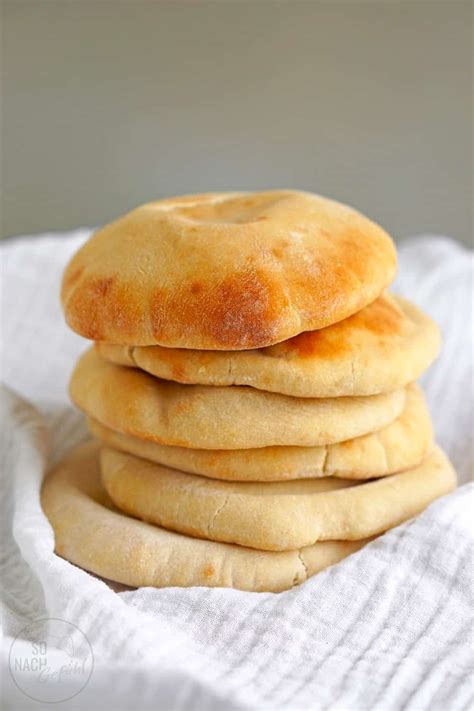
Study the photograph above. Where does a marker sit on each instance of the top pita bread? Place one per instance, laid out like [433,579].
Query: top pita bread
[386,345]
[226,271]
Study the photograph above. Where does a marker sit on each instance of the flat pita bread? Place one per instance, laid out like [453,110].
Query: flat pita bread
[205,417]
[274,516]
[386,345]
[226,271]
[400,445]
[91,534]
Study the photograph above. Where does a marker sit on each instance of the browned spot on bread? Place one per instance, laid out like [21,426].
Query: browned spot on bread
[92,330]
[101,302]
[177,370]
[382,317]
[84,314]
[89,308]
[244,308]
[175,361]
[208,571]
[318,344]
[102,286]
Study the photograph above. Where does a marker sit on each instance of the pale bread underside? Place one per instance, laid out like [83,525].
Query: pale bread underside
[272,515]
[206,417]
[91,534]
[400,445]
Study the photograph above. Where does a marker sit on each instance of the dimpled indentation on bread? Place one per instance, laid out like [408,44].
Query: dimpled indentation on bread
[238,210]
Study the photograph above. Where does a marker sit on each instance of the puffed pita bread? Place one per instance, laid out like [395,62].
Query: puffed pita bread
[400,445]
[205,417]
[91,534]
[274,516]
[386,345]
[226,271]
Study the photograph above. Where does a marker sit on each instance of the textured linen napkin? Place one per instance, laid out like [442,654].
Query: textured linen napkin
[388,628]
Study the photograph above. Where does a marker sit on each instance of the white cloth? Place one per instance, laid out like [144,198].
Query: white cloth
[388,628]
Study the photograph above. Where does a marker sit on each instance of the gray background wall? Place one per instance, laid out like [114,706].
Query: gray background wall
[109,103]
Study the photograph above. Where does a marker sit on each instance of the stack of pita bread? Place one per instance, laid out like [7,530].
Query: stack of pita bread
[251,391]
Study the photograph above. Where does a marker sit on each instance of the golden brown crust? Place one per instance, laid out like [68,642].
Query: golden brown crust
[204,417]
[386,345]
[401,445]
[274,516]
[90,533]
[226,271]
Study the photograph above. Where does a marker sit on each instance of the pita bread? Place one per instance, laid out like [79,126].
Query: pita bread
[281,515]
[90,533]
[226,271]
[400,445]
[386,345]
[203,417]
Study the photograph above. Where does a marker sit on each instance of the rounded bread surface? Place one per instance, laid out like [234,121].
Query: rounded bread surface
[90,533]
[273,516]
[226,271]
[206,417]
[400,445]
[386,345]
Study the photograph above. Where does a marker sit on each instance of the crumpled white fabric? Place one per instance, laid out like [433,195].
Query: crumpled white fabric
[388,628]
